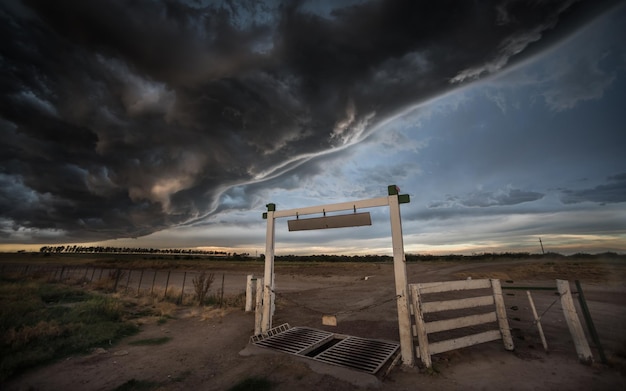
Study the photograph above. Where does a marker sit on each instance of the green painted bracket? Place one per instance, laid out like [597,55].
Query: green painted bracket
[270,208]
[402,198]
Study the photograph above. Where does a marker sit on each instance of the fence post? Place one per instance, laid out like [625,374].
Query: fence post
[589,321]
[222,292]
[258,313]
[575,328]
[128,280]
[268,280]
[153,280]
[118,272]
[139,285]
[501,315]
[249,292]
[182,291]
[407,347]
[537,321]
[167,282]
[422,337]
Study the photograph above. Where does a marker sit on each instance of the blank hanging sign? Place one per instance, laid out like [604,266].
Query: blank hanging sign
[338,221]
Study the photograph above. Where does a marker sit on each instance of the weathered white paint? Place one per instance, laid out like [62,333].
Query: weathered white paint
[321,209]
[463,342]
[249,278]
[449,286]
[268,278]
[507,338]
[457,323]
[258,312]
[537,321]
[498,314]
[575,327]
[422,336]
[399,266]
[446,305]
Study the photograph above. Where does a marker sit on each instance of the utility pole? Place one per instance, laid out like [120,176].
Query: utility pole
[541,243]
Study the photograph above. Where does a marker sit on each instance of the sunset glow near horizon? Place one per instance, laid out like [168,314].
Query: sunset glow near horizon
[503,129]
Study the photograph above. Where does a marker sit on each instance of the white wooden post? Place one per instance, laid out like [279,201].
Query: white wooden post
[258,312]
[268,280]
[537,321]
[249,293]
[503,323]
[575,328]
[420,325]
[399,266]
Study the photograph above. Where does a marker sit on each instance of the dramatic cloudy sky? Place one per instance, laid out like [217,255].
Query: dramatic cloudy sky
[172,123]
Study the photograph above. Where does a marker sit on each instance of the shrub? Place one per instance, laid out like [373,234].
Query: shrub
[201,285]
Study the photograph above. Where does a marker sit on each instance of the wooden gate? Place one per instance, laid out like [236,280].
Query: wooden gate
[476,305]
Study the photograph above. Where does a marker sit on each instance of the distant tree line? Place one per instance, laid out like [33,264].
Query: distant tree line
[75,249]
[427,257]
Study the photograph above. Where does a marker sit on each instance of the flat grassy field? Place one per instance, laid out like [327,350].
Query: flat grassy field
[41,322]
[187,344]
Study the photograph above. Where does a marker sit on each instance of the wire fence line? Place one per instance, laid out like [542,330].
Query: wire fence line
[173,285]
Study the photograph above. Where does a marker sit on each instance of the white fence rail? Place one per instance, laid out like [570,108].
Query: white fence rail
[473,314]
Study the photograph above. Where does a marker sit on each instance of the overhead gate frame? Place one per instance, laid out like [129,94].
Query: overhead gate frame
[393,200]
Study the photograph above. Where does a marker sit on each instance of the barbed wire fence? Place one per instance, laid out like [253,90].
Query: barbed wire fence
[533,311]
[176,286]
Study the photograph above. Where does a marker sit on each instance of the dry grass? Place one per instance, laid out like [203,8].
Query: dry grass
[44,329]
[165,309]
[40,322]
[588,271]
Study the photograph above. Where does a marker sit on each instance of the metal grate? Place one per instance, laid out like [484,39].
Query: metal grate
[367,355]
[270,332]
[297,340]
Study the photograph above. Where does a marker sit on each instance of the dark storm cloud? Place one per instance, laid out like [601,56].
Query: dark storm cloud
[484,199]
[122,118]
[612,192]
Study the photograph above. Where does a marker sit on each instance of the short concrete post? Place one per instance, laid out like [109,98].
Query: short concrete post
[249,293]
